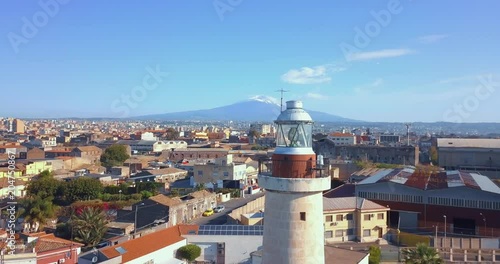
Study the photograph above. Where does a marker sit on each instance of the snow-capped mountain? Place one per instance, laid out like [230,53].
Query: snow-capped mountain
[257,108]
[265,99]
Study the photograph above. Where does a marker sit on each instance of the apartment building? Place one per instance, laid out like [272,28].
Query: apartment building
[221,169]
[342,139]
[354,219]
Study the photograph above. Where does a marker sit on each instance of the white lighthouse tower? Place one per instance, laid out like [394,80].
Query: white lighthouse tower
[293,218]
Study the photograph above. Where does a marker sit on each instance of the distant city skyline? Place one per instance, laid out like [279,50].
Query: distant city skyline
[384,61]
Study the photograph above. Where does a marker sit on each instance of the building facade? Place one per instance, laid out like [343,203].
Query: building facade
[342,139]
[404,155]
[469,203]
[479,155]
[354,219]
[221,169]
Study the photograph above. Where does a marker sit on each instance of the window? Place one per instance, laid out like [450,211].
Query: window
[329,218]
[348,217]
[339,218]
[328,234]
[350,232]
[380,216]
[200,173]
[367,217]
[366,232]
[303,216]
[339,233]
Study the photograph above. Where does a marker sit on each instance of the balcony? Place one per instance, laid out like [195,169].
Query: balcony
[292,168]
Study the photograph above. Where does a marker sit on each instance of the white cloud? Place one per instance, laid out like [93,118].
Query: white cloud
[379,54]
[311,75]
[368,87]
[317,96]
[466,79]
[432,38]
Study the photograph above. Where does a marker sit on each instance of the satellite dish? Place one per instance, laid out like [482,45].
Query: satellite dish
[95,259]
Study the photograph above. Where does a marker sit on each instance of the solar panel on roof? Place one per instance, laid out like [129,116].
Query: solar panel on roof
[121,250]
[239,230]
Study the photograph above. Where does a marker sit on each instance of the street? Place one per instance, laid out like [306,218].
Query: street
[220,218]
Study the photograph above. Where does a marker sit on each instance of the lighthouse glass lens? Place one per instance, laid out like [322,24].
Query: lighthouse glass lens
[294,135]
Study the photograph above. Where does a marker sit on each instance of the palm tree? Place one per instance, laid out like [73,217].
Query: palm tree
[89,225]
[422,254]
[37,211]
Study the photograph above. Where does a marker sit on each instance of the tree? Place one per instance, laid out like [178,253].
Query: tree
[434,155]
[36,211]
[199,187]
[146,194]
[422,254]
[148,186]
[374,255]
[45,186]
[189,252]
[83,188]
[171,134]
[254,133]
[114,155]
[89,225]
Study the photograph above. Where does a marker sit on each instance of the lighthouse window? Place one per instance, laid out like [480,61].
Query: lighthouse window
[303,216]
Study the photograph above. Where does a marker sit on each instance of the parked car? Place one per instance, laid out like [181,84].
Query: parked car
[208,212]
[219,208]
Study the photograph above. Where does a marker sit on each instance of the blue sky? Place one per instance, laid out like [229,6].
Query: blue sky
[426,61]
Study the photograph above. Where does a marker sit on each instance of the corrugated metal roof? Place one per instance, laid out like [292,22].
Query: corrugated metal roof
[432,180]
[454,179]
[376,177]
[485,183]
[468,143]
[402,176]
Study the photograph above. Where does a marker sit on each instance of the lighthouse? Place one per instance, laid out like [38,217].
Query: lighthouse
[294,184]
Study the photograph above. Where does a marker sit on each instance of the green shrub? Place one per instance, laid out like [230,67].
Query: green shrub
[375,253]
[189,252]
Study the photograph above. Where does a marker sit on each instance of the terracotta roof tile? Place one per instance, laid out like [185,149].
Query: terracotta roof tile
[202,194]
[48,242]
[188,229]
[165,200]
[145,245]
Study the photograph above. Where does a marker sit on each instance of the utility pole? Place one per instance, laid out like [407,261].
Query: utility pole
[444,228]
[281,102]
[436,237]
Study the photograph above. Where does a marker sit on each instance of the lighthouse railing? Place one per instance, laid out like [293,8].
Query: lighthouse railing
[292,168]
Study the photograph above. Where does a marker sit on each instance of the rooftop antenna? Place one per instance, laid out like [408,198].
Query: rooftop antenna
[281,91]
[408,125]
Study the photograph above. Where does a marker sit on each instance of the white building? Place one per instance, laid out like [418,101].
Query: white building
[221,169]
[158,247]
[148,136]
[342,139]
